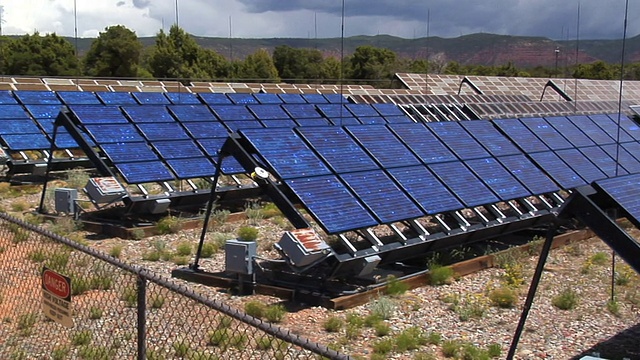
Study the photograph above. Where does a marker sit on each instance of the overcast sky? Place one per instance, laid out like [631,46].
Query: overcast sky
[556,19]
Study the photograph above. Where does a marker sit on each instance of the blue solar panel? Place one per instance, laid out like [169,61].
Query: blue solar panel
[603,161]
[144,172]
[64,140]
[593,131]
[622,156]
[423,143]
[192,112]
[13,112]
[242,99]
[558,170]
[177,149]
[266,98]
[192,168]
[163,131]
[624,191]
[338,121]
[292,98]
[398,119]
[388,109]
[313,122]
[214,98]
[287,123]
[46,125]
[26,142]
[229,164]
[426,189]
[44,111]
[114,133]
[331,204]
[528,174]
[232,112]
[382,196]
[334,98]
[183,98]
[362,110]
[333,110]
[383,145]
[128,152]
[37,97]
[151,98]
[98,114]
[629,125]
[496,143]
[464,184]
[148,113]
[268,112]
[244,124]
[611,128]
[79,98]
[521,135]
[633,148]
[302,111]
[547,133]
[286,153]
[373,120]
[26,126]
[498,179]
[581,165]
[315,98]
[6,97]
[204,130]
[571,132]
[116,98]
[338,149]
[458,140]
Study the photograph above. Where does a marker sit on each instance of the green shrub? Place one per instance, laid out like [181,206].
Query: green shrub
[129,296]
[614,307]
[599,258]
[255,308]
[434,338]
[80,285]
[275,313]
[384,308]
[208,249]
[116,251]
[247,233]
[157,301]
[395,287]
[80,338]
[372,319]
[332,324]
[271,210]
[218,337]
[383,346]
[181,348]
[95,313]
[168,225]
[26,322]
[202,355]
[451,348]
[409,339]
[382,328]
[352,331]
[355,320]
[60,353]
[503,297]
[89,352]
[19,206]
[180,260]
[184,249]
[440,275]
[225,322]
[566,300]
[153,255]
[37,256]
[494,350]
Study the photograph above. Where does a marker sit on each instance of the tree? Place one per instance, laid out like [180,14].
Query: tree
[36,55]
[298,64]
[115,53]
[259,66]
[371,63]
[598,70]
[178,56]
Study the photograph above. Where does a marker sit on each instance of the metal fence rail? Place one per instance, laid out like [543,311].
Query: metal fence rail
[121,311]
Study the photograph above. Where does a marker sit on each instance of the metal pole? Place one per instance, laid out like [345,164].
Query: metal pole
[142,317]
[535,281]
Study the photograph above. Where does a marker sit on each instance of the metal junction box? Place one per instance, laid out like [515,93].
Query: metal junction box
[103,190]
[303,247]
[239,256]
[65,200]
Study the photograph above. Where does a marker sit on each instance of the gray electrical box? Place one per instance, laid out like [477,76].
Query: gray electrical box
[239,256]
[303,247]
[158,206]
[65,200]
[103,190]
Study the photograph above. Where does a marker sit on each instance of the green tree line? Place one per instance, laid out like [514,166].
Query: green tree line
[117,52]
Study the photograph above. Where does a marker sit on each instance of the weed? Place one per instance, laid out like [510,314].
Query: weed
[208,249]
[238,340]
[184,249]
[535,245]
[513,274]
[384,308]
[80,285]
[600,258]
[332,324]
[219,217]
[504,297]
[470,351]
[180,260]
[153,255]
[614,307]
[566,300]
[352,331]
[65,226]
[434,338]
[247,233]
[218,337]
[95,313]
[271,210]
[275,313]
[154,355]
[372,319]
[395,287]
[409,339]
[624,275]
[80,338]
[383,346]
[19,205]
[202,355]
[355,320]
[424,356]
[60,352]
[254,212]
[38,256]
[440,275]
[77,178]
[255,308]
[494,350]
[129,296]
[101,282]
[382,328]
[181,348]
[18,355]
[138,234]
[157,301]
[168,225]
[26,322]
[451,348]
[116,251]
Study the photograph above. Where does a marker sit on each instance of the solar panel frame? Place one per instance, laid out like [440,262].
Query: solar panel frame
[148,114]
[463,183]
[498,179]
[339,150]
[150,98]
[624,191]
[243,124]
[383,145]
[520,135]
[458,140]
[425,189]
[528,174]
[144,172]
[333,206]
[230,164]
[382,196]
[489,137]
[558,170]
[313,122]
[423,143]
[116,98]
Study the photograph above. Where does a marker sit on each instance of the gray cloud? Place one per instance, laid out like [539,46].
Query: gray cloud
[141,4]
[120,3]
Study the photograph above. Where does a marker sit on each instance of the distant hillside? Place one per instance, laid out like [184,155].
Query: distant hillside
[476,49]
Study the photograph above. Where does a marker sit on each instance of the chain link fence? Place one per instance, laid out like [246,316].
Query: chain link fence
[121,311]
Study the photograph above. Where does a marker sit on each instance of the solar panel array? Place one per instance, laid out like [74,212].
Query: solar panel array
[623,190]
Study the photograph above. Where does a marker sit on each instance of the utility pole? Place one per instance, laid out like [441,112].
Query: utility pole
[555,72]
